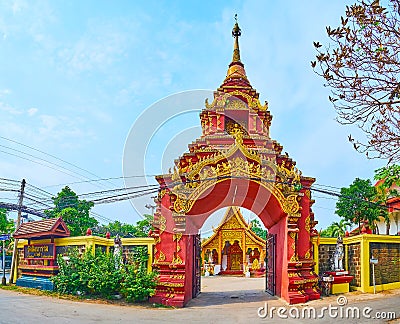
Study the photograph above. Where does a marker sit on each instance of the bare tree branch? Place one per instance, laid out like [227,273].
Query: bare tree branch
[361,66]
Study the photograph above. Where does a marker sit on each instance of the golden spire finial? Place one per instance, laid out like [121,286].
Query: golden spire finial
[236,32]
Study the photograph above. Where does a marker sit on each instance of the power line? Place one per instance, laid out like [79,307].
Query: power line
[139,191]
[124,196]
[103,179]
[42,164]
[48,154]
[37,189]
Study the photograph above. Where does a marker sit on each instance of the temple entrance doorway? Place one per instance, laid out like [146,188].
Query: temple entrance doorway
[233,245]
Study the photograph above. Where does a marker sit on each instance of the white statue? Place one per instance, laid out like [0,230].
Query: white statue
[117,251]
[338,255]
[206,273]
[246,270]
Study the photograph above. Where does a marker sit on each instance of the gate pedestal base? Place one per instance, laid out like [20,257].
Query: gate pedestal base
[170,290]
[303,282]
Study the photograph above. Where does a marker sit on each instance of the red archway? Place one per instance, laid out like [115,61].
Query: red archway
[234,163]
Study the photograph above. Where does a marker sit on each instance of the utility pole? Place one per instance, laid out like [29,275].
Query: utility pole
[152,207]
[14,255]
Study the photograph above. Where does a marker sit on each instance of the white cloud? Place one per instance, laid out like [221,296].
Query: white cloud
[18,6]
[9,109]
[103,116]
[65,131]
[4,92]
[32,111]
[98,48]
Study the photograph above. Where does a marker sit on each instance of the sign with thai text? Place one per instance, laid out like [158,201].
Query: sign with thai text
[40,251]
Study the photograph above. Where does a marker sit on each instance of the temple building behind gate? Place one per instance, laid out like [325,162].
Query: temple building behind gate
[233,246]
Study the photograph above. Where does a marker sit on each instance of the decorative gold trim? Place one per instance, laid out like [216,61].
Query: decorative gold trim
[162,220]
[177,237]
[161,256]
[290,205]
[177,260]
[307,223]
[221,100]
[181,205]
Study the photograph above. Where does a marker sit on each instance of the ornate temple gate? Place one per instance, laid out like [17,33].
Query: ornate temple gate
[234,163]
[270,282]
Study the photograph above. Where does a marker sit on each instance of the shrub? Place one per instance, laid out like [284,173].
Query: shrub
[98,274]
[138,285]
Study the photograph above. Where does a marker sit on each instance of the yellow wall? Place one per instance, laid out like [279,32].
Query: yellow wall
[88,241]
[364,240]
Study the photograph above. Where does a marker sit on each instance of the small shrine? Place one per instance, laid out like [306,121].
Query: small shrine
[233,248]
[37,260]
[339,279]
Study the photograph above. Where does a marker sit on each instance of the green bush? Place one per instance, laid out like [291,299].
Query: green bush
[104,275]
[138,285]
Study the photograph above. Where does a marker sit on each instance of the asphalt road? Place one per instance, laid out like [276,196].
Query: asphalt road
[223,300]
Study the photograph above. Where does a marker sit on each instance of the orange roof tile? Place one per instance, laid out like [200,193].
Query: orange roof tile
[43,228]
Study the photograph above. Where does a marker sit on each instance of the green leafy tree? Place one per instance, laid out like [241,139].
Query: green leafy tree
[358,203]
[258,229]
[73,211]
[6,225]
[388,182]
[339,228]
[114,228]
[389,177]
[143,226]
[327,232]
[361,66]
[140,229]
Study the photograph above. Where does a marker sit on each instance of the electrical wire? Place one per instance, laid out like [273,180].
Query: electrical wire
[139,191]
[48,154]
[103,179]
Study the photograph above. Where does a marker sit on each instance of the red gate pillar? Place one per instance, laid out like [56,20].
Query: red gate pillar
[302,279]
[173,258]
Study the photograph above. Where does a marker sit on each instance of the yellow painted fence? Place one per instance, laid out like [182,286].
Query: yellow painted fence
[359,250]
[84,242]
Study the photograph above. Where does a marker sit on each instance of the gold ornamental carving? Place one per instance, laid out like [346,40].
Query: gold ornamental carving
[283,182]
[162,220]
[171,284]
[224,100]
[212,245]
[232,224]
[162,193]
[234,128]
[232,236]
[161,256]
[236,104]
[177,237]
[290,205]
[180,205]
[308,254]
[308,223]
[177,260]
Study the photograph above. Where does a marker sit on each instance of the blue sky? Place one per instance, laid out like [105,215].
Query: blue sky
[75,75]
